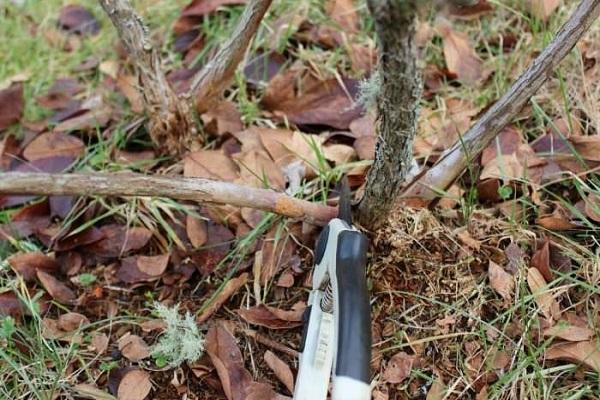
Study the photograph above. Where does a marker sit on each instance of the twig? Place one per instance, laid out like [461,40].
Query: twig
[212,79]
[196,189]
[171,124]
[455,160]
[262,339]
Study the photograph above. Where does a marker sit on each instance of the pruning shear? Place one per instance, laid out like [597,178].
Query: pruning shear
[336,342]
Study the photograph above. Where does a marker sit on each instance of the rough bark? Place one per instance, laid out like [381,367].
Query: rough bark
[397,107]
[195,189]
[171,120]
[214,77]
[454,161]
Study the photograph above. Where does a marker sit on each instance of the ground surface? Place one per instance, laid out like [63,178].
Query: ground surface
[494,293]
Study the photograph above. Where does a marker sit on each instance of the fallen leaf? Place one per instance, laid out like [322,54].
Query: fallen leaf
[210,164]
[71,321]
[571,333]
[60,94]
[592,207]
[365,147]
[587,147]
[277,250]
[133,347]
[11,105]
[88,391]
[258,170]
[197,231]
[228,361]
[137,269]
[10,305]
[541,260]
[99,343]
[200,8]
[398,368]
[344,14]
[223,118]
[135,385]
[263,67]
[26,264]
[90,119]
[543,9]
[437,390]
[271,317]
[58,290]
[317,103]
[216,247]
[76,19]
[501,281]
[281,369]
[119,240]
[52,144]
[128,85]
[544,299]
[586,353]
[230,288]
[340,154]
[461,59]
[471,11]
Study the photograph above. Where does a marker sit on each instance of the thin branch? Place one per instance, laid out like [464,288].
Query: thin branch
[455,160]
[172,126]
[213,78]
[195,189]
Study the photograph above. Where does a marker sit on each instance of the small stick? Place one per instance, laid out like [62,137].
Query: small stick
[454,161]
[262,339]
[196,189]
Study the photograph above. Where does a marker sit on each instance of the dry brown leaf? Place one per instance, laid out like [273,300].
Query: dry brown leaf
[71,321]
[230,288]
[543,9]
[99,343]
[10,305]
[398,368]
[97,116]
[365,147]
[153,265]
[133,347]
[501,281]
[544,299]
[135,385]
[437,390]
[465,237]
[196,230]
[228,361]
[344,14]
[77,19]
[119,240]
[52,145]
[461,59]
[58,290]
[272,317]
[153,325]
[586,353]
[281,369]
[571,333]
[26,264]
[223,118]
[541,260]
[258,170]
[210,164]
[129,86]
[592,207]
[11,105]
[340,154]
[588,147]
[555,223]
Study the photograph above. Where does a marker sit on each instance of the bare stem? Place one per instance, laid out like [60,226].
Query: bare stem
[455,160]
[397,107]
[196,189]
[213,78]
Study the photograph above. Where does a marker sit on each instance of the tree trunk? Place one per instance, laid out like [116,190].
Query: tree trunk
[171,120]
[397,107]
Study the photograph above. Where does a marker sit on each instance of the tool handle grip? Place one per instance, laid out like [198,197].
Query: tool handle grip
[354,315]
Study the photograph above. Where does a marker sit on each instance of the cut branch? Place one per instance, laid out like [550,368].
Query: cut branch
[454,161]
[214,77]
[397,107]
[171,121]
[195,189]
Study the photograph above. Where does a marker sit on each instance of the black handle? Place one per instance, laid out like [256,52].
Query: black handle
[354,325]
